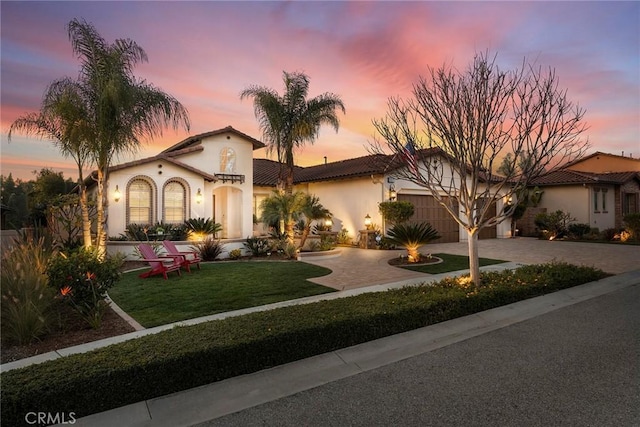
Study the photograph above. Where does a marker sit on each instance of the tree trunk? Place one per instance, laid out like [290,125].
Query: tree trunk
[86,221]
[305,234]
[101,240]
[474,262]
[290,224]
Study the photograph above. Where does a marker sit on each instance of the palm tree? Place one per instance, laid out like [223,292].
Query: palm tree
[312,210]
[290,120]
[122,110]
[282,209]
[63,119]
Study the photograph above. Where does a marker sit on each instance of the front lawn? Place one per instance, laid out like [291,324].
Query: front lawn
[451,263]
[217,287]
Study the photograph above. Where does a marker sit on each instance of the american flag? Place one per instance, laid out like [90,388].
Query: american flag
[409,155]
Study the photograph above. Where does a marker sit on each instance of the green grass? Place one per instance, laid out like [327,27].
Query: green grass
[216,288]
[451,263]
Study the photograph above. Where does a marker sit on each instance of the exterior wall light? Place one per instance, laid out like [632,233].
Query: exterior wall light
[392,193]
[116,194]
[199,196]
[367,222]
[328,222]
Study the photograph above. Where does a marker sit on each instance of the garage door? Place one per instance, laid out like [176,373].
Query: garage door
[490,232]
[428,209]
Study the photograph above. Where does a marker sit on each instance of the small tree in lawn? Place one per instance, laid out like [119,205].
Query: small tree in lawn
[459,125]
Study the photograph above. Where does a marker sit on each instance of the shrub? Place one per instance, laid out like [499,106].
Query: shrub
[27,302]
[137,232]
[609,234]
[396,212]
[327,242]
[553,225]
[198,228]
[579,231]
[209,249]
[290,251]
[632,223]
[82,279]
[343,237]
[165,231]
[258,246]
[235,253]
[187,357]
[412,236]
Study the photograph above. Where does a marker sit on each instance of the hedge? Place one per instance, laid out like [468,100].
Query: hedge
[190,356]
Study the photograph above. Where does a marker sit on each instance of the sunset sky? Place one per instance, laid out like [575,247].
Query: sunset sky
[205,53]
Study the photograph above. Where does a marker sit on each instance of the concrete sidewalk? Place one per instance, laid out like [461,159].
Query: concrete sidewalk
[216,400]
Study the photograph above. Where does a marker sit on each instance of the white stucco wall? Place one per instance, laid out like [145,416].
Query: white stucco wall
[233,200]
[349,201]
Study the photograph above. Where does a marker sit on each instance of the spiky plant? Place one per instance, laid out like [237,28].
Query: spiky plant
[412,236]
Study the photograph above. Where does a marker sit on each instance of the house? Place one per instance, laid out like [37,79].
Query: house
[214,175]
[599,189]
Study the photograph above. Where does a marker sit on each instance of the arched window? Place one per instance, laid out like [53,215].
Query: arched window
[139,199]
[174,202]
[227,160]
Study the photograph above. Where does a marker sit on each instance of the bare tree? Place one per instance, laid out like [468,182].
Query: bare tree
[457,129]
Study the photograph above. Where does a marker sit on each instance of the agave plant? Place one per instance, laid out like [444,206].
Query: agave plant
[201,227]
[412,236]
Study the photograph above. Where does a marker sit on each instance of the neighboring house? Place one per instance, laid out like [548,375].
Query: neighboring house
[599,189]
[214,175]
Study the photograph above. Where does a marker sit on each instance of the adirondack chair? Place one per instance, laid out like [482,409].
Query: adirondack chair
[187,257]
[159,264]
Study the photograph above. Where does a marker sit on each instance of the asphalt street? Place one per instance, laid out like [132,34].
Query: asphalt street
[576,366]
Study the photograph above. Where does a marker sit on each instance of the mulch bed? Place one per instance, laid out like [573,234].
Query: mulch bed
[72,330]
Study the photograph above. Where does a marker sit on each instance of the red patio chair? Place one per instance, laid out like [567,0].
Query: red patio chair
[159,264]
[188,257]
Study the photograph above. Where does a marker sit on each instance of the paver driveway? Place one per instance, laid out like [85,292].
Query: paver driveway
[356,268]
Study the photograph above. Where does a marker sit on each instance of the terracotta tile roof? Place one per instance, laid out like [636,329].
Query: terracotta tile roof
[350,168]
[265,172]
[569,177]
[372,164]
[197,139]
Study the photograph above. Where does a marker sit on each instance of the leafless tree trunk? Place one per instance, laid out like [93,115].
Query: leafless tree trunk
[458,128]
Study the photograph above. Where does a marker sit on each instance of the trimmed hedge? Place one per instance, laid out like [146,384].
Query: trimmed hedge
[187,357]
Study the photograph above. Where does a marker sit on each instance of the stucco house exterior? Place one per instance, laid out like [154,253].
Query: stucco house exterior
[214,175]
[209,175]
[598,189]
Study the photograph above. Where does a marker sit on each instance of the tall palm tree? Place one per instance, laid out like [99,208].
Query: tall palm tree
[290,120]
[63,119]
[122,110]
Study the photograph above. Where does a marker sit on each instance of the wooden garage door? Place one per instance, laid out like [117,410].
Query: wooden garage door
[491,232]
[428,209]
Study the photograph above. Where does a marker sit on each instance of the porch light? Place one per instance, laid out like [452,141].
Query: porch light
[199,196]
[328,222]
[367,221]
[392,193]
[116,194]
